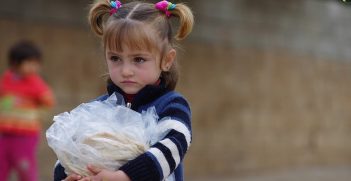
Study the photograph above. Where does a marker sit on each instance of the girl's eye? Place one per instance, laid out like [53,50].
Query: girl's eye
[115,58]
[139,60]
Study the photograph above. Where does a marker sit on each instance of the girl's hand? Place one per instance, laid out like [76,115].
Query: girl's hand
[73,177]
[105,175]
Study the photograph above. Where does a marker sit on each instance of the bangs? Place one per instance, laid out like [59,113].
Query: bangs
[131,34]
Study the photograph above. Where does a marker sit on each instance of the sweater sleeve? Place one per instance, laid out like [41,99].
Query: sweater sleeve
[59,172]
[43,92]
[162,158]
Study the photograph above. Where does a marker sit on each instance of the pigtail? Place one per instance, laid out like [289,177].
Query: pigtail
[97,16]
[186,20]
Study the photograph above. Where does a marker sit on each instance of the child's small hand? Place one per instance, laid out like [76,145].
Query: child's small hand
[73,177]
[105,175]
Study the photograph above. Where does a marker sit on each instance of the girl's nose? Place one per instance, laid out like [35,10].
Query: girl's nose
[127,70]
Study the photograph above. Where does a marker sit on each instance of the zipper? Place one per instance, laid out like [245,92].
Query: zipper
[129,105]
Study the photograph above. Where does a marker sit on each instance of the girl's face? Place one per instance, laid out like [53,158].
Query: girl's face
[131,70]
[28,67]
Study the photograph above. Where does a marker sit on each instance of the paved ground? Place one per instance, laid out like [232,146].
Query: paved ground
[342,173]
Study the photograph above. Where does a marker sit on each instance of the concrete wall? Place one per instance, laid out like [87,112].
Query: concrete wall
[276,86]
[269,81]
[266,111]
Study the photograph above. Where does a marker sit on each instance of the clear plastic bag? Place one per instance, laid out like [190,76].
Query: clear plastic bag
[103,134]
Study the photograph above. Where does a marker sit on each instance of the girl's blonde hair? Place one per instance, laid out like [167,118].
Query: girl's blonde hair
[140,25]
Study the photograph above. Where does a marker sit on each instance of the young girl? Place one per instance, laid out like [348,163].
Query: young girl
[140,55]
[23,94]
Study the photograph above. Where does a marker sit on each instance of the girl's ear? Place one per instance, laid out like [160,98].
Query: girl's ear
[169,59]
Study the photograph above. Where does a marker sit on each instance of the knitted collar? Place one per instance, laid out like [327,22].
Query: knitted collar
[144,96]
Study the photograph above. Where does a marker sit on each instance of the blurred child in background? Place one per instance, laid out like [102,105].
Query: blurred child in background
[23,93]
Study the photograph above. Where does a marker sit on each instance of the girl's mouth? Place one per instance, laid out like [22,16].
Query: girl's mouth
[128,82]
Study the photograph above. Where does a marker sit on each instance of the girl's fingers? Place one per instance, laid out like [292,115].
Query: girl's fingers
[94,169]
[86,179]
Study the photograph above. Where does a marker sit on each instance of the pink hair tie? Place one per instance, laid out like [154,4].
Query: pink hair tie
[165,6]
[115,5]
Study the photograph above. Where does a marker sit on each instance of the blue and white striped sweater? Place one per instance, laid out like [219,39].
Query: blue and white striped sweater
[165,157]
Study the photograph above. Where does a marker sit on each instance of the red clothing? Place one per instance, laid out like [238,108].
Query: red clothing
[20,101]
